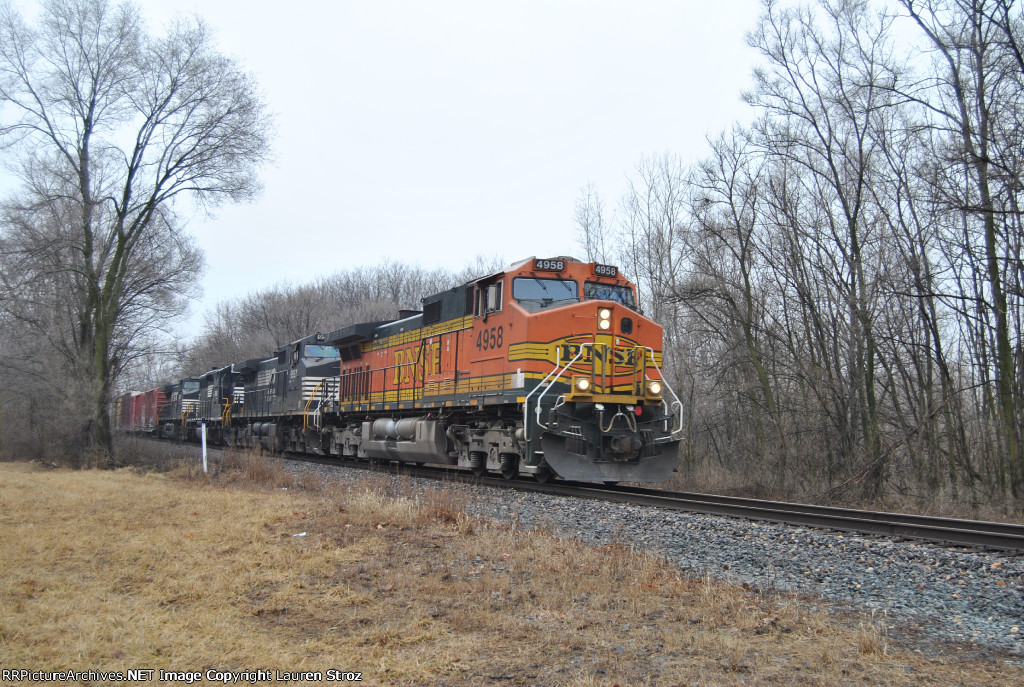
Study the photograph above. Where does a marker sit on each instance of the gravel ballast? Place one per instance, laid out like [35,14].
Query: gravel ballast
[962,596]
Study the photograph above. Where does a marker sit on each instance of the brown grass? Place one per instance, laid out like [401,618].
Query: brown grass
[115,570]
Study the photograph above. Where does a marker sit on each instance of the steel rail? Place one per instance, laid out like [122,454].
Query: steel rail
[982,534]
[1010,529]
[948,531]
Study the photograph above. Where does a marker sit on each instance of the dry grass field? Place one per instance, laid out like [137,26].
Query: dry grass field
[245,571]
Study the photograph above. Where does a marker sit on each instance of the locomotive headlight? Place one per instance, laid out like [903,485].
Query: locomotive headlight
[604,319]
[581,385]
[654,388]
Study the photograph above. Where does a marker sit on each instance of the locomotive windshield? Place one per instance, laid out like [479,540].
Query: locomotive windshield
[533,293]
[595,291]
[317,351]
[190,387]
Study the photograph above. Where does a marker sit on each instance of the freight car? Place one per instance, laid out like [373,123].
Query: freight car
[547,368]
[139,412]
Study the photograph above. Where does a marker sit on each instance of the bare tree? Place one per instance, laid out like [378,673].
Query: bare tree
[847,274]
[822,90]
[654,219]
[591,229]
[723,289]
[111,126]
[973,93]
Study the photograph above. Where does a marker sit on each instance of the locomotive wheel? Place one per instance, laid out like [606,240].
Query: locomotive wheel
[543,475]
[478,462]
[509,465]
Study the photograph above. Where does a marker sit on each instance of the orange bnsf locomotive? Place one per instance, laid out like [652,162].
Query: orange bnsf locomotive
[547,368]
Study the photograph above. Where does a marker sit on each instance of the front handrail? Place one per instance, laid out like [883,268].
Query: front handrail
[305,410]
[678,404]
[526,401]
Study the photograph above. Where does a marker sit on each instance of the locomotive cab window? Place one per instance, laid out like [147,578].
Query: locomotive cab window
[488,298]
[320,351]
[596,291]
[533,293]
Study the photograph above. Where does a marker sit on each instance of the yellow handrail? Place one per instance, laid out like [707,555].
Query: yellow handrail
[305,410]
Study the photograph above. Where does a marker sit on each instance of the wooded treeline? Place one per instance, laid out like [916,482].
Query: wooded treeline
[841,280]
[256,325]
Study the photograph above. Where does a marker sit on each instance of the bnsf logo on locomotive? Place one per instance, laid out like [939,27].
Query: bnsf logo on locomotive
[622,356]
[411,362]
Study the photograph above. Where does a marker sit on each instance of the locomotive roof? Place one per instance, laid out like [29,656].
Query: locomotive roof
[397,326]
[437,307]
[250,365]
[354,333]
[449,304]
[216,371]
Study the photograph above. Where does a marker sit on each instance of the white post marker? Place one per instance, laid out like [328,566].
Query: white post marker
[204,447]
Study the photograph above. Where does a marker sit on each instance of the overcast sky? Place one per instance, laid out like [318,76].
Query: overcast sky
[432,132]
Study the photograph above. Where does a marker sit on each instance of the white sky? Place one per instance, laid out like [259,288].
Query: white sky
[432,132]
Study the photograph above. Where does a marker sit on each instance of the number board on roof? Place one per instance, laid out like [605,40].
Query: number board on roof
[549,265]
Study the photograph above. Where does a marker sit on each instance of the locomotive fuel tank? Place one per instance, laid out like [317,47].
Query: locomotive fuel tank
[406,439]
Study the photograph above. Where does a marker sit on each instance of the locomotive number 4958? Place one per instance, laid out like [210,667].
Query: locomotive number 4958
[554,265]
[490,338]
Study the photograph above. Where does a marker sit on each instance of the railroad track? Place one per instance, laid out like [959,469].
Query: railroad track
[947,531]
